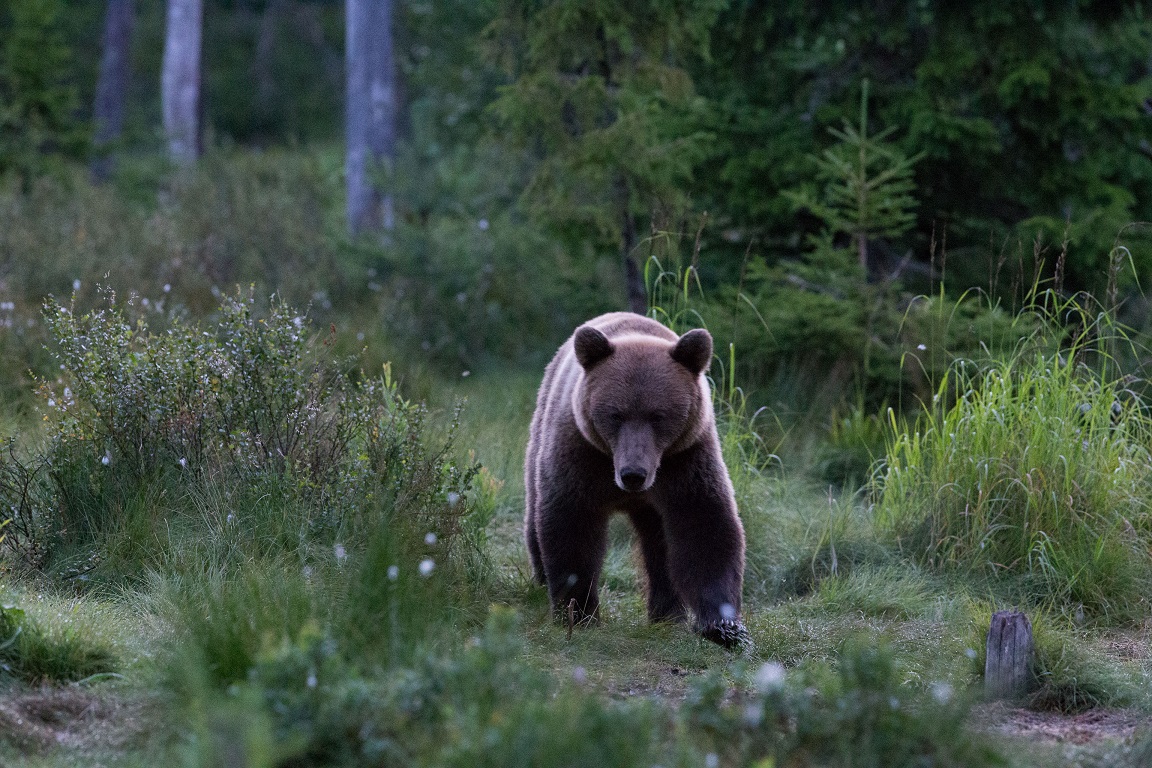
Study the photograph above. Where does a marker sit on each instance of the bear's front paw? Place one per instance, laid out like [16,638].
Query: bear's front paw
[730,633]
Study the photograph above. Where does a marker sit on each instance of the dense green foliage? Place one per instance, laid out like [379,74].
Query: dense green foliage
[1011,105]
[38,98]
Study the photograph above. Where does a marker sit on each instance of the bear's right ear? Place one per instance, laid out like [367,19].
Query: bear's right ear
[591,346]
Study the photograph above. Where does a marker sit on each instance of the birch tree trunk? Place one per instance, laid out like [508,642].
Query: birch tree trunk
[371,112]
[112,86]
[180,80]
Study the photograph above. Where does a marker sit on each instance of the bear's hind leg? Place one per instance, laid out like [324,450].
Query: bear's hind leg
[533,543]
[663,602]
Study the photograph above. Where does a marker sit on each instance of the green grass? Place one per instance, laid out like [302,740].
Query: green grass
[1038,467]
[48,639]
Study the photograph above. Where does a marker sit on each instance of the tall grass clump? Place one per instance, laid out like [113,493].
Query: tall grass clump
[1035,467]
[35,653]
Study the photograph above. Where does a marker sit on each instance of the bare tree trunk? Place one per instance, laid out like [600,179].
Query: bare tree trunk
[180,80]
[371,112]
[112,86]
[633,276]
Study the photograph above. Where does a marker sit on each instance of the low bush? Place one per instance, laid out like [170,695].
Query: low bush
[182,446]
[855,712]
[483,706]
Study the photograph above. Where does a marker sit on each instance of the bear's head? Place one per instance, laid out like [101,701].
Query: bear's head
[642,397]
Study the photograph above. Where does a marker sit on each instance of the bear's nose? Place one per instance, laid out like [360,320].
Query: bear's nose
[633,478]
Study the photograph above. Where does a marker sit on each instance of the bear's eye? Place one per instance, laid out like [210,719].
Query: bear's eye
[656,417]
[615,417]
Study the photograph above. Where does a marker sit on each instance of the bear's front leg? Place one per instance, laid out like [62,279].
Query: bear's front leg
[706,545]
[663,601]
[573,540]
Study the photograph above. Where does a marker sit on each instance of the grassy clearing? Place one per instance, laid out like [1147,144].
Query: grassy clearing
[369,605]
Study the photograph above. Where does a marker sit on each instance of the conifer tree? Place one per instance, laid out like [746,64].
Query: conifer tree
[38,101]
[868,185]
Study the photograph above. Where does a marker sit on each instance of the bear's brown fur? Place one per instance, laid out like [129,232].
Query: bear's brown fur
[624,423]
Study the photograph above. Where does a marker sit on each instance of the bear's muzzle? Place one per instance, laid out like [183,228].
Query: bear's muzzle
[635,457]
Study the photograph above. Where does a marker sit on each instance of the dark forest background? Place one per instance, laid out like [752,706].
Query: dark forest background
[817,165]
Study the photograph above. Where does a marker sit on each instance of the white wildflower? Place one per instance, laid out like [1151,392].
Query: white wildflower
[430,538]
[770,676]
[426,566]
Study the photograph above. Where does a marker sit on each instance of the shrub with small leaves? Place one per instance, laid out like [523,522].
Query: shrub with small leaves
[251,418]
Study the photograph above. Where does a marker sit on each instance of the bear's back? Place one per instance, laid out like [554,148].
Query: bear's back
[617,324]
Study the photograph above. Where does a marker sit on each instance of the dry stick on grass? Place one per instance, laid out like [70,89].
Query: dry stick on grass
[571,616]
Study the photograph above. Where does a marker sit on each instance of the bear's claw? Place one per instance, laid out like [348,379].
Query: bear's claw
[730,633]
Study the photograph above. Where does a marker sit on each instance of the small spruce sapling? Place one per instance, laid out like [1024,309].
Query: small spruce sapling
[868,186]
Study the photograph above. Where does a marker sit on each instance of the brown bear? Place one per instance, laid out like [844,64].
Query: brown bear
[624,423]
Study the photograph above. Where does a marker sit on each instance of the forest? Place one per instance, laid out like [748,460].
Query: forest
[279,280]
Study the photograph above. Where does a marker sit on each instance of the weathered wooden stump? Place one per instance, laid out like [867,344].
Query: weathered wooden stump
[1008,664]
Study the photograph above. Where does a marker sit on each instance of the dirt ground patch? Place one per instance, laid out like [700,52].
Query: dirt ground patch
[1101,724]
[71,718]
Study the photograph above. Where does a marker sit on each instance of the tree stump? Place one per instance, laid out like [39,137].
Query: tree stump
[1008,664]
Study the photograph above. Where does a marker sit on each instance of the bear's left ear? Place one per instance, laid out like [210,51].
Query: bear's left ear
[591,346]
[694,351]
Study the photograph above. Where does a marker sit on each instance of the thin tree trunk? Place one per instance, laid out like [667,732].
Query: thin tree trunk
[112,86]
[180,80]
[371,112]
[633,276]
